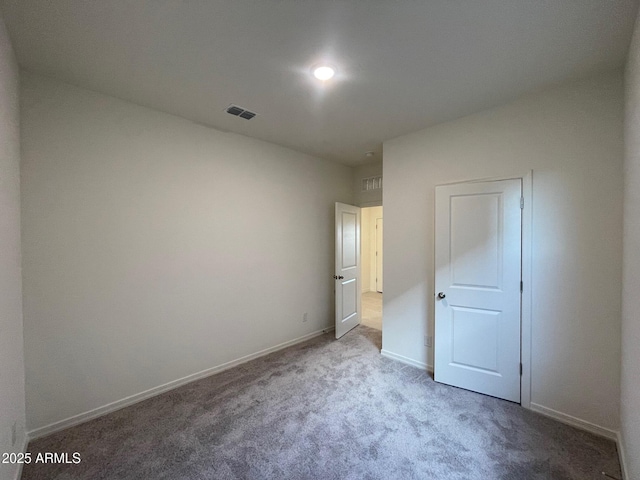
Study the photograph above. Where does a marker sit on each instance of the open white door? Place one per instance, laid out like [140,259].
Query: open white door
[347,276]
[477,287]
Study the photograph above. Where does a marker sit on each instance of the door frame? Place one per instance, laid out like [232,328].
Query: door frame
[379,275]
[526,272]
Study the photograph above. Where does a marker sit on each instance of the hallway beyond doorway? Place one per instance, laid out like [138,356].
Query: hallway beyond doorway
[372,310]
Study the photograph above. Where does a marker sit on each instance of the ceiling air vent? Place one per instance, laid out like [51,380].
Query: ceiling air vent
[240,112]
[372,183]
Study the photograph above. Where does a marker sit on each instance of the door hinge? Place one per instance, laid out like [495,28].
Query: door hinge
[521,286]
[520,368]
[521,203]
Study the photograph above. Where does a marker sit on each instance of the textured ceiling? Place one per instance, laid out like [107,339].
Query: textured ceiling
[402,65]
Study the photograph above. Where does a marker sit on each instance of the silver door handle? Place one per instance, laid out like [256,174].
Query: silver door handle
[441,295]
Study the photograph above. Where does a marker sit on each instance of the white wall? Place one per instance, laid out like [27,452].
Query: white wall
[571,137]
[155,248]
[12,407]
[630,390]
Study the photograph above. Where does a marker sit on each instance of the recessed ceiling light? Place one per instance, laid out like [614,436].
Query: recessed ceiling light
[323,72]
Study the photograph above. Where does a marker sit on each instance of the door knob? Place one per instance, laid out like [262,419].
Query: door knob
[340,277]
[336,277]
[441,295]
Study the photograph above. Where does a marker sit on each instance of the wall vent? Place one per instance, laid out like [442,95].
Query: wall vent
[372,183]
[240,112]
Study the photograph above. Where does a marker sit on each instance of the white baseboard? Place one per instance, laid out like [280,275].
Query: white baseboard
[152,392]
[575,422]
[621,456]
[407,360]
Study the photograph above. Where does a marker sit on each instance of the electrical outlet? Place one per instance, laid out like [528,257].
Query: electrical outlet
[428,341]
[14,434]
[304,317]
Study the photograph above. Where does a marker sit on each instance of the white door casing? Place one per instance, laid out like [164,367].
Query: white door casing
[379,237]
[347,268]
[478,245]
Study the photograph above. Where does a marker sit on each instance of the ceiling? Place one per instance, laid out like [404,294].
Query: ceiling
[401,65]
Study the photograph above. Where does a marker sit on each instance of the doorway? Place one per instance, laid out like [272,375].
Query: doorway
[371,247]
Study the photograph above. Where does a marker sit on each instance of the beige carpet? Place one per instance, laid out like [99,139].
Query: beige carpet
[325,409]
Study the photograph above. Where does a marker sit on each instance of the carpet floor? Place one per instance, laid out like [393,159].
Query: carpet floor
[325,409]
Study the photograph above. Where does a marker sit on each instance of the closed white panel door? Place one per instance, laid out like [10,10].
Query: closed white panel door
[379,255]
[477,304]
[347,276]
